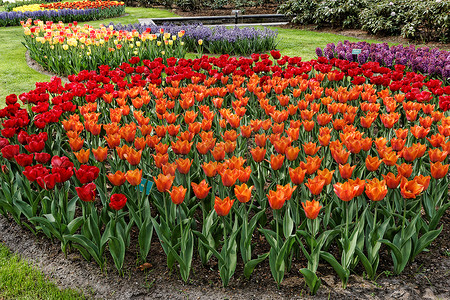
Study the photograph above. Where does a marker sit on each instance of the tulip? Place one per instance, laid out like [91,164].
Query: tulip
[438,170]
[376,190]
[292,153]
[372,163]
[423,180]
[312,209]
[163,182]
[404,169]
[297,175]
[133,157]
[346,170]
[86,174]
[437,155]
[244,174]
[100,154]
[326,175]
[117,201]
[82,156]
[258,154]
[229,177]
[9,151]
[315,185]
[360,184]
[210,168]
[201,190]
[276,161]
[410,189]
[48,181]
[345,191]
[23,159]
[276,199]
[134,177]
[223,206]
[86,192]
[42,157]
[243,193]
[183,165]
[391,180]
[116,179]
[177,194]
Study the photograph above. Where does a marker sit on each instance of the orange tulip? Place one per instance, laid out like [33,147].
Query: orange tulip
[134,177]
[177,194]
[310,148]
[117,178]
[360,184]
[297,175]
[210,168]
[437,155]
[340,155]
[372,163]
[181,147]
[163,182]
[82,156]
[76,143]
[101,153]
[140,143]
[410,189]
[312,164]
[169,169]
[404,169]
[276,161]
[201,189]
[133,157]
[243,193]
[122,150]
[222,207]
[244,174]
[260,140]
[287,190]
[391,180]
[390,159]
[438,170]
[315,185]
[312,209]
[258,154]
[423,180]
[376,190]
[326,175]
[276,199]
[219,152]
[160,159]
[183,165]
[346,170]
[345,191]
[229,177]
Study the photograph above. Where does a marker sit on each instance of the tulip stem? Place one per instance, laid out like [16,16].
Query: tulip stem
[346,219]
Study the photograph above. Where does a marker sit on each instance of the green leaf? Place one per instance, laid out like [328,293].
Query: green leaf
[342,273]
[312,280]
[75,224]
[365,262]
[145,238]
[251,264]
[424,241]
[117,250]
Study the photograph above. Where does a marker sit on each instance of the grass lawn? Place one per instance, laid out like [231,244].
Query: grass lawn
[19,280]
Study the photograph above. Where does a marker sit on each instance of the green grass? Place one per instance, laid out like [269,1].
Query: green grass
[18,280]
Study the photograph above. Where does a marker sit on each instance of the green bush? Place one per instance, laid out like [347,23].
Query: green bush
[335,13]
[386,17]
[428,21]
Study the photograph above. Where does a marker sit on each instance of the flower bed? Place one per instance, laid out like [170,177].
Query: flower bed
[63,11]
[69,48]
[432,62]
[218,40]
[324,161]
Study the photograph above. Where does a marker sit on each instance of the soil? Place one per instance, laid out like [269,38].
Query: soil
[426,278]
